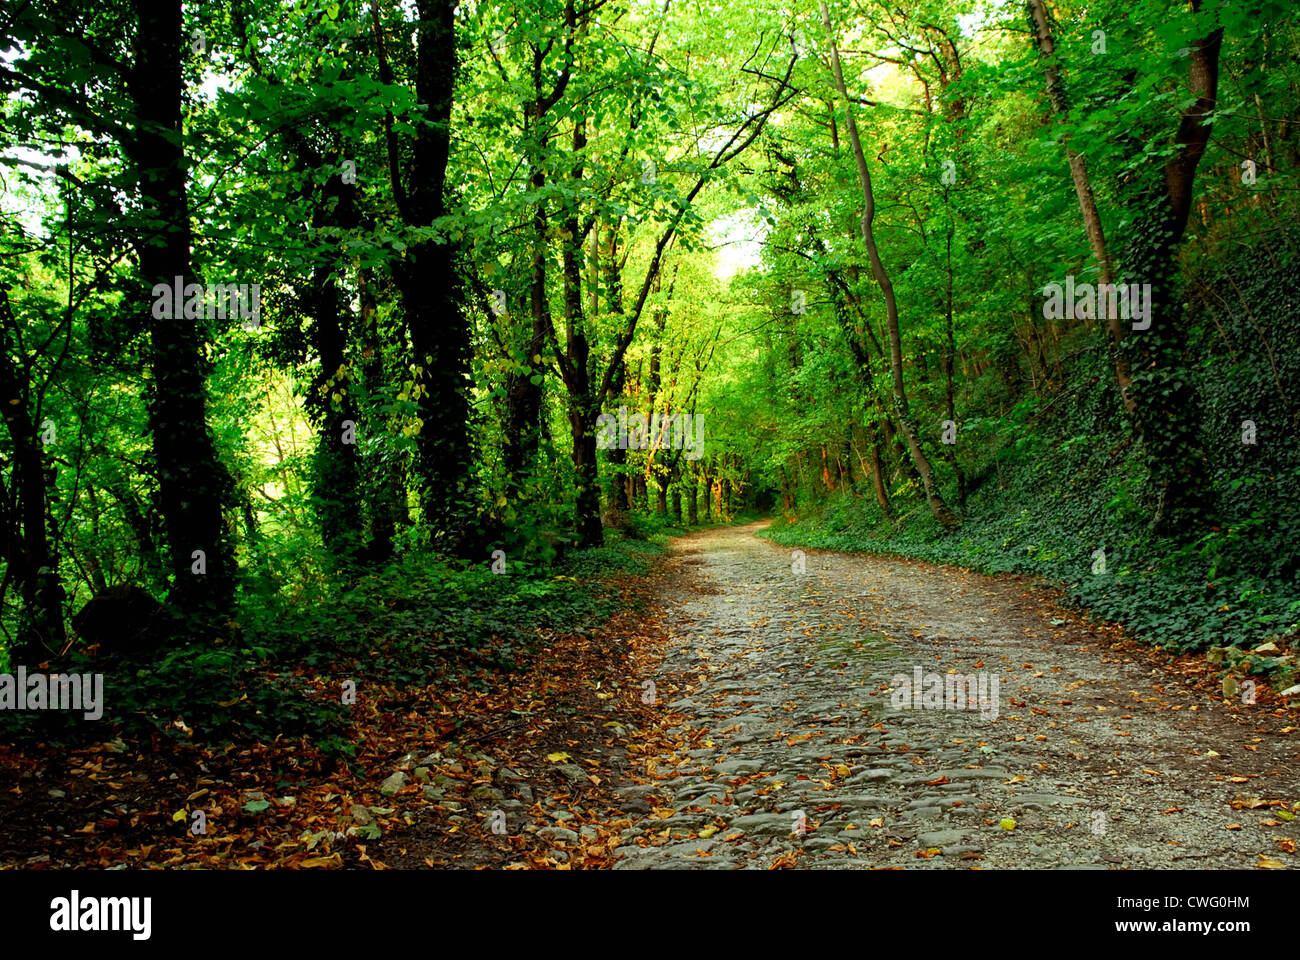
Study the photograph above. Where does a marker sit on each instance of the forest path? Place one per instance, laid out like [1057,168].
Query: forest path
[776,686]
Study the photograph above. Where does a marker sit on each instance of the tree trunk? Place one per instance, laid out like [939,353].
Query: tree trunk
[937,505]
[431,297]
[946,362]
[386,494]
[193,484]
[1168,405]
[878,475]
[619,494]
[336,474]
[575,368]
[32,555]
[1087,201]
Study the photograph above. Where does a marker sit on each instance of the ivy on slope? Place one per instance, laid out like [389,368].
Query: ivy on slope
[1057,484]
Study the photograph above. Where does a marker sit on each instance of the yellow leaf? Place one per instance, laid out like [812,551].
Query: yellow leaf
[557,757]
[178,816]
[842,770]
[1007,824]
[708,831]
[1268,863]
[334,860]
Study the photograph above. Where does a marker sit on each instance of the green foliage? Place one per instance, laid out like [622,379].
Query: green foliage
[1053,490]
[606,248]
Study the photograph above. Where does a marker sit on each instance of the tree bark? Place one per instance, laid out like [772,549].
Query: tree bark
[193,484]
[431,289]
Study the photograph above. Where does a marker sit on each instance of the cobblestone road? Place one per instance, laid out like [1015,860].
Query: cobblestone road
[797,746]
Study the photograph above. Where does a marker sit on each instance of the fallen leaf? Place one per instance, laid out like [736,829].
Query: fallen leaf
[334,860]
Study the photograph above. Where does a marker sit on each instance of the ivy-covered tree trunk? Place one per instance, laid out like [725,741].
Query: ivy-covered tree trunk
[432,298]
[576,372]
[336,466]
[1168,408]
[617,483]
[193,484]
[524,386]
[583,407]
[386,494]
[523,421]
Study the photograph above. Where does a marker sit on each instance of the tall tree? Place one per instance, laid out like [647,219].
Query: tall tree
[193,484]
[938,506]
[430,283]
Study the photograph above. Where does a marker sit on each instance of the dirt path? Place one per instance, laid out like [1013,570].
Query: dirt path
[790,746]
